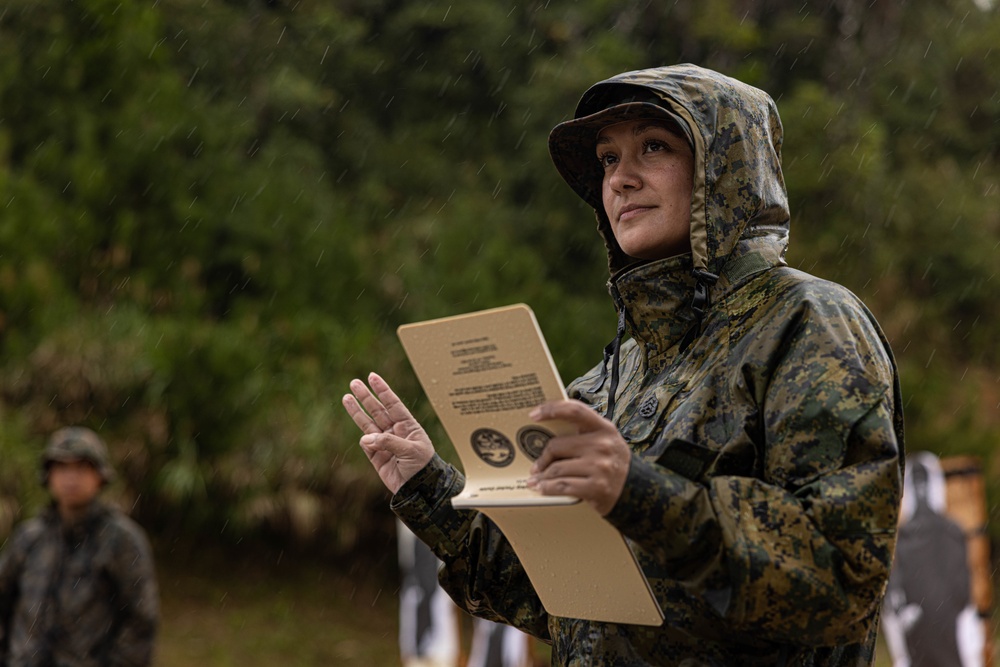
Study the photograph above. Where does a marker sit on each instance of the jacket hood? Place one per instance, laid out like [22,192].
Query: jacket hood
[736,135]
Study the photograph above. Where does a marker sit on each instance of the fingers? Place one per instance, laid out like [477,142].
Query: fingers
[357,413]
[386,444]
[594,482]
[595,434]
[581,487]
[377,454]
[591,466]
[374,412]
[394,408]
[601,494]
[394,442]
[571,410]
[371,403]
[582,455]
[572,468]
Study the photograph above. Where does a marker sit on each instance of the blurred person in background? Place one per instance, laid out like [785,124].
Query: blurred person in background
[430,624]
[77,582]
[428,619]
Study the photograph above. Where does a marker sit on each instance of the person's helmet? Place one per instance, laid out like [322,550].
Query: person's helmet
[77,443]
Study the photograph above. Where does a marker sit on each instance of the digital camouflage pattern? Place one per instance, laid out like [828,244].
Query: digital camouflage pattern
[79,596]
[736,135]
[77,443]
[763,492]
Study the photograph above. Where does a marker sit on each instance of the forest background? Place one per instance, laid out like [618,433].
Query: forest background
[214,214]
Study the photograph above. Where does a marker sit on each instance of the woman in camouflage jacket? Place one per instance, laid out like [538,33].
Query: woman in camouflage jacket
[750,448]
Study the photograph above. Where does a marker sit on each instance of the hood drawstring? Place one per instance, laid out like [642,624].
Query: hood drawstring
[608,351]
[612,351]
[699,304]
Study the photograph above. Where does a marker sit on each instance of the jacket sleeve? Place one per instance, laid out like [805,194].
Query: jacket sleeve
[135,580]
[801,552]
[481,572]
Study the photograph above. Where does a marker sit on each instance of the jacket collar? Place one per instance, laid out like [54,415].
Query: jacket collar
[656,296]
[90,518]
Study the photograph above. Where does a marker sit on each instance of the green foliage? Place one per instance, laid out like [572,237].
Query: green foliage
[215,214]
[20,490]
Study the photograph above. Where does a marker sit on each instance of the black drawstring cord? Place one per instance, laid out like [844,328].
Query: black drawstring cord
[613,389]
[699,303]
[612,351]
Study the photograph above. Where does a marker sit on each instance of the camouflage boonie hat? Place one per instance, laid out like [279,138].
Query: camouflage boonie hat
[76,443]
[572,143]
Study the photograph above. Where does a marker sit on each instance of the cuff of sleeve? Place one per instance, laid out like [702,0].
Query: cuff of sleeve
[650,506]
[637,493]
[423,503]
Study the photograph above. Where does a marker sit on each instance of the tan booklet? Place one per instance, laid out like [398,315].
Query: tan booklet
[483,372]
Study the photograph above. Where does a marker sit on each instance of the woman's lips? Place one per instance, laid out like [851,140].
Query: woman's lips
[632,211]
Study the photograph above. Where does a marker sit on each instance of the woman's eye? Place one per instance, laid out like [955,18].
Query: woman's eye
[607,159]
[654,145]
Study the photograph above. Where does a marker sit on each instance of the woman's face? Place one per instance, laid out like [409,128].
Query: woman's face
[648,179]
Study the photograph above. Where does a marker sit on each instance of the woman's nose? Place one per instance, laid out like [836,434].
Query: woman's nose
[625,176]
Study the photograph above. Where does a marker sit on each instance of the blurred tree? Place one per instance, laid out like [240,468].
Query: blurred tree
[217,213]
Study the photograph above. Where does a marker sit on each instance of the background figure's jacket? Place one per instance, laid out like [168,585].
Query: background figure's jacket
[82,596]
[765,480]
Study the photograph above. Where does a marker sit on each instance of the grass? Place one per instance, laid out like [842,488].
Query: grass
[219,613]
[251,616]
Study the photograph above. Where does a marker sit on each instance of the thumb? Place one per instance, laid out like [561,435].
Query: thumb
[401,448]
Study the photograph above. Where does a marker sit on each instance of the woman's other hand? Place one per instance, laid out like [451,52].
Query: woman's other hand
[591,465]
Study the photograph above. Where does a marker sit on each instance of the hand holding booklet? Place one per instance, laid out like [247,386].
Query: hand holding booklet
[483,372]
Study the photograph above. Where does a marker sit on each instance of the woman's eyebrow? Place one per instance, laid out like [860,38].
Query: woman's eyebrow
[639,129]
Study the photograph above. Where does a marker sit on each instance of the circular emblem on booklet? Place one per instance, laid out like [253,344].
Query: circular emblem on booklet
[532,440]
[493,447]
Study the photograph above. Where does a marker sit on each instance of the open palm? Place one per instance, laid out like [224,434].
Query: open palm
[395,443]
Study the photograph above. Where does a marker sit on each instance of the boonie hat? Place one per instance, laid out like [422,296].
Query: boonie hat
[571,143]
[77,443]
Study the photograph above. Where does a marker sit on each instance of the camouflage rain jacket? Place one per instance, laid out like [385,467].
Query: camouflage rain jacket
[765,480]
[80,596]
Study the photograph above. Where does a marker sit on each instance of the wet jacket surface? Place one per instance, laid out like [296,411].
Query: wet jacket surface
[766,473]
[77,596]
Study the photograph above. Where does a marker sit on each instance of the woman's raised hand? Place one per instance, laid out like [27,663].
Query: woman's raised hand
[395,443]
